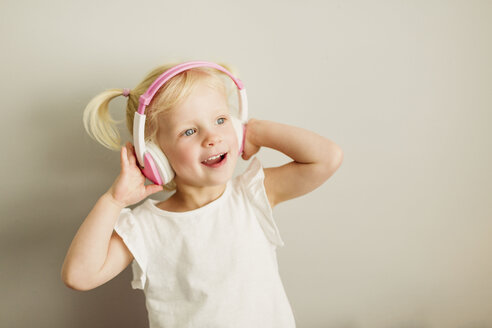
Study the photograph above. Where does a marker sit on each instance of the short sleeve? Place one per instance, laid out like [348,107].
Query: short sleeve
[127,228]
[252,180]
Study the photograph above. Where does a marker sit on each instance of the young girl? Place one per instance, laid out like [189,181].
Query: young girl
[206,256]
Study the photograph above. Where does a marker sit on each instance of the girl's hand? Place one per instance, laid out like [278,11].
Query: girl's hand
[129,187]
[249,147]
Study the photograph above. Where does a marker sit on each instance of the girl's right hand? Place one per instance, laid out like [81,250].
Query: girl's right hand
[129,187]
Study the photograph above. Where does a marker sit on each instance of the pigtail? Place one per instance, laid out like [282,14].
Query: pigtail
[98,122]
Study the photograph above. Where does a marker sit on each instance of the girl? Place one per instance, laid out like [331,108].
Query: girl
[206,256]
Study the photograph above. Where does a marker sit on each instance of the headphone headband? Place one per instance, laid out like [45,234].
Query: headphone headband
[145,99]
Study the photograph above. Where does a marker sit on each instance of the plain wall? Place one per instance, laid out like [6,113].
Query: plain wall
[398,237]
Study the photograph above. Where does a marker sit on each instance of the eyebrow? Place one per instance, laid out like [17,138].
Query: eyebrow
[191,121]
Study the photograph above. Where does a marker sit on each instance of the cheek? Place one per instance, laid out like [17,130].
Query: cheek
[183,157]
[188,155]
[233,141]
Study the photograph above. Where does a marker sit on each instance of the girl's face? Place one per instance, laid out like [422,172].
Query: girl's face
[198,128]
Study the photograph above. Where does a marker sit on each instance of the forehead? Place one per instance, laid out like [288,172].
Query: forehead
[202,101]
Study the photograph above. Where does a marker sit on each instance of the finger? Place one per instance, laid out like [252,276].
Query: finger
[123,158]
[152,189]
[131,154]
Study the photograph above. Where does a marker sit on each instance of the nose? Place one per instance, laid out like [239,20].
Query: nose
[212,139]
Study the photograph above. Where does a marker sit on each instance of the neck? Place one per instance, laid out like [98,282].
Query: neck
[189,198]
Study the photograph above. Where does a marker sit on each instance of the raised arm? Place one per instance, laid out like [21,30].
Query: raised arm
[315,158]
[97,253]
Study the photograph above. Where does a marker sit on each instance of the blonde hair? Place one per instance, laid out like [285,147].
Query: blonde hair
[103,128]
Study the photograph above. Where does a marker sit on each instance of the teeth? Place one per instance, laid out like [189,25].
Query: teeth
[213,157]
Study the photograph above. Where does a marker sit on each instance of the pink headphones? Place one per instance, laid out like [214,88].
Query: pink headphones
[153,163]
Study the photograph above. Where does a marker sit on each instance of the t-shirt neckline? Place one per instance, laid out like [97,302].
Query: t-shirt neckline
[152,204]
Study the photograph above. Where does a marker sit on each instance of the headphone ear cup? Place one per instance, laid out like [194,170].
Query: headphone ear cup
[239,128]
[161,162]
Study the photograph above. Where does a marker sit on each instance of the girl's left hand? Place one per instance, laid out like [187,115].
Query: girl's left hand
[249,147]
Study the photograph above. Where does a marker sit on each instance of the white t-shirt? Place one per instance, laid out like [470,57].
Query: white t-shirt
[212,267]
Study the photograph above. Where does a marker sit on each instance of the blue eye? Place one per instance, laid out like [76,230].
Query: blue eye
[189,132]
[221,120]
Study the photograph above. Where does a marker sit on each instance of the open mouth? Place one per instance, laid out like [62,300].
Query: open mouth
[215,161]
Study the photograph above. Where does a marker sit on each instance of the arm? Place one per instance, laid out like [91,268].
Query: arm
[97,253]
[315,158]
[84,266]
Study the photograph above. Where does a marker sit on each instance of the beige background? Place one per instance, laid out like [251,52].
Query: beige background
[398,237]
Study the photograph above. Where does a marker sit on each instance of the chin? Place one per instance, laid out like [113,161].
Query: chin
[223,179]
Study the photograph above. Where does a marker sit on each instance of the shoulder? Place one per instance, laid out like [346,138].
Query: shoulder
[139,214]
[251,175]
[252,180]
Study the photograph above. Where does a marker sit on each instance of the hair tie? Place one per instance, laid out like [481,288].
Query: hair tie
[126,92]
